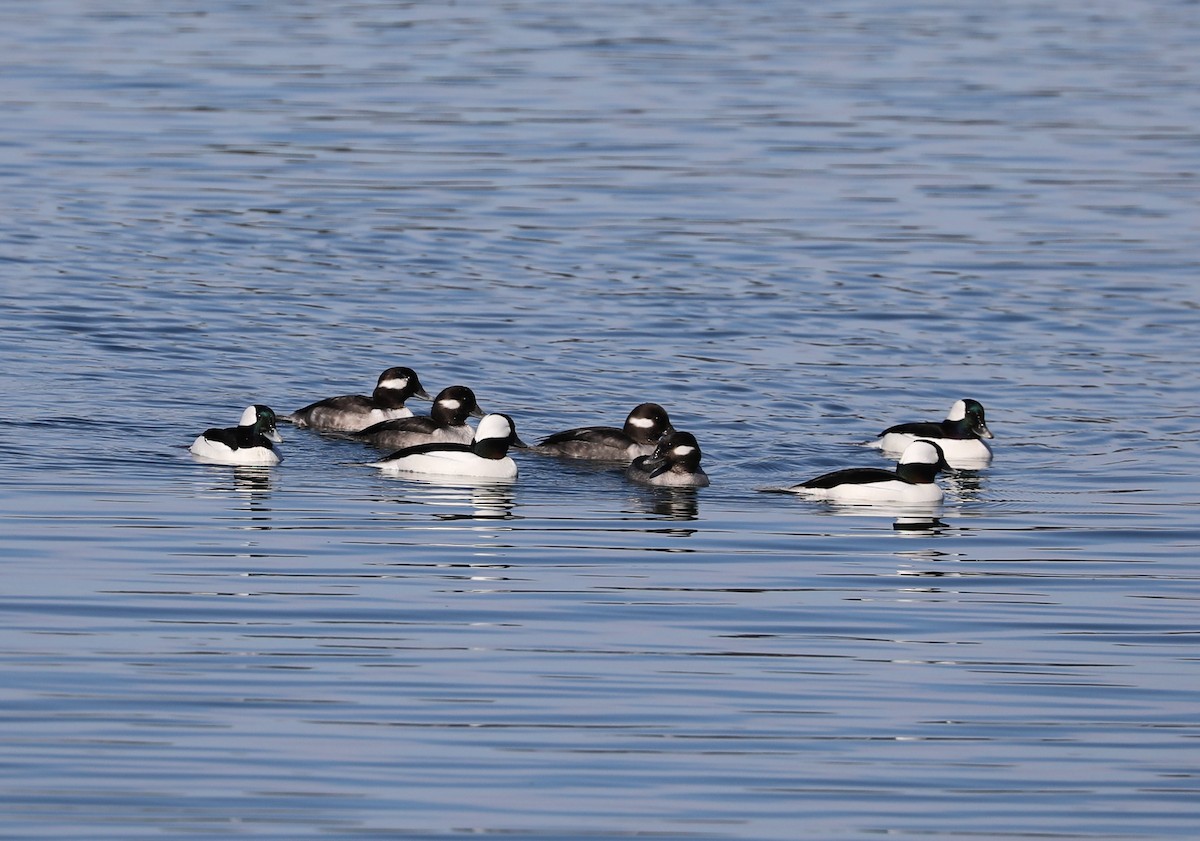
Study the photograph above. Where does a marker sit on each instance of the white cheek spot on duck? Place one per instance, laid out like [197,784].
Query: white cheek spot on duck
[450,404]
[643,423]
[397,383]
[958,411]
[684,450]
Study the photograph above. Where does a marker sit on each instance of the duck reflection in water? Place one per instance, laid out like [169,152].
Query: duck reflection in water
[253,482]
[669,503]
[906,519]
[926,524]
[483,501]
[246,489]
[965,485]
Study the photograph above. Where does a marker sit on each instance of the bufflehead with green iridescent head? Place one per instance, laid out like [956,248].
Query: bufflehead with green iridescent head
[911,483]
[248,443]
[960,435]
[353,412]
[644,426]
[486,457]
[447,421]
[675,463]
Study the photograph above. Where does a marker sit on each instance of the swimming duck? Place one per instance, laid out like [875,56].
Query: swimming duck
[644,426]
[486,457]
[447,421]
[353,412]
[248,443]
[675,463]
[911,483]
[960,435]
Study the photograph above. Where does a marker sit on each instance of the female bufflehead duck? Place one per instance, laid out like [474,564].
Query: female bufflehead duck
[646,424]
[352,412]
[486,457]
[911,483]
[446,422]
[960,435]
[248,443]
[675,464]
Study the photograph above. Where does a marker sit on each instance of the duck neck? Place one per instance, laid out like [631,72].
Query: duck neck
[389,398]
[959,429]
[917,472]
[493,448]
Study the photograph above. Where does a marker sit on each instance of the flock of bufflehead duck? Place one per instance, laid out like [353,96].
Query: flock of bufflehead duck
[654,452]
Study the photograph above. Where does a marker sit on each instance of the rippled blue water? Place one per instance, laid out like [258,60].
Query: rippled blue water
[791,224]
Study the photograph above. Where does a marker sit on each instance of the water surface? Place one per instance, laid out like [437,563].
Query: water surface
[792,227]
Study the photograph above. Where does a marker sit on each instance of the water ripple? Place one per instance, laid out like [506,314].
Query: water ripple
[792,226]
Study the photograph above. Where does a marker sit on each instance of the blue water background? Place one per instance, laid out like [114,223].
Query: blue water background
[793,225]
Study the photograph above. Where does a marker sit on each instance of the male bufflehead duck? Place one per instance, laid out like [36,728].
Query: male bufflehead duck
[352,412]
[646,424]
[911,483]
[675,463]
[447,421]
[248,443]
[486,457]
[960,435]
